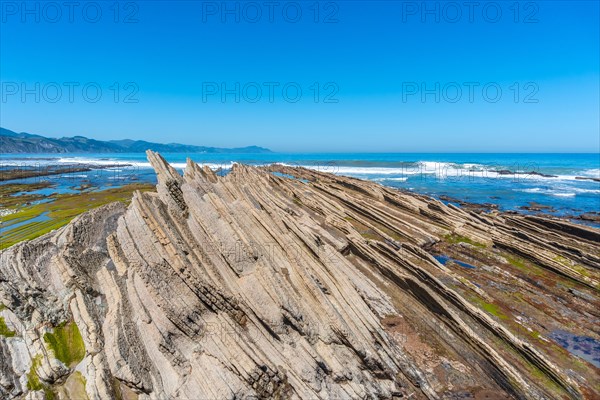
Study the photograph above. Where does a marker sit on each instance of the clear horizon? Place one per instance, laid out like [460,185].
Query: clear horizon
[308,199]
[332,152]
[374,77]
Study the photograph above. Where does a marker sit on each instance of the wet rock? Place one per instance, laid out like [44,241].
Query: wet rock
[591,216]
[587,178]
[252,285]
[533,206]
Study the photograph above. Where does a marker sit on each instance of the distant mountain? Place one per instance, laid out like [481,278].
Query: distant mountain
[13,142]
[22,135]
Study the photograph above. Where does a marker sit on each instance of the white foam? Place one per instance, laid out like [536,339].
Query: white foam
[137,164]
[563,194]
[473,166]
[430,168]
[594,173]
[558,191]
[581,190]
[442,170]
[367,171]
[531,190]
[402,179]
[91,161]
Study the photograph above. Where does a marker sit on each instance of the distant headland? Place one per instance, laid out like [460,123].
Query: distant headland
[13,142]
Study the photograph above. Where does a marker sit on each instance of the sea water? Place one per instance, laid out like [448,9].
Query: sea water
[511,181]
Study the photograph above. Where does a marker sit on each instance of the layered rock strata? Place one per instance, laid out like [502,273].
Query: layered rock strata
[284,283]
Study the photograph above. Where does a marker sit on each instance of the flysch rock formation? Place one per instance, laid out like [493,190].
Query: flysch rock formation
[279,282]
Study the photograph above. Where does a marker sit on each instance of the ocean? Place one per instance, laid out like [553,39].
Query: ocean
[511,181]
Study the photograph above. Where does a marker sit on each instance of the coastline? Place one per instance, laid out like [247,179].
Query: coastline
[300,201]
[41,178]
[567,183]
[271,252]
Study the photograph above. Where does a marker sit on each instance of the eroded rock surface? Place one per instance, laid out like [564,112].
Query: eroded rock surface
[255,285]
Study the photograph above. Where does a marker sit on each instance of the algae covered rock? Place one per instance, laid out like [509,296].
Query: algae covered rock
[296,284]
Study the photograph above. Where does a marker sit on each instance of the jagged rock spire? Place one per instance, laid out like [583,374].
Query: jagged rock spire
[321,286]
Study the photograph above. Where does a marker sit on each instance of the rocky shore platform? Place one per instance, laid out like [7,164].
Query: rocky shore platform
[14,172]
[280,282]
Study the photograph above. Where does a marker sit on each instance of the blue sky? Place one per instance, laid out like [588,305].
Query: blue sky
[371,62]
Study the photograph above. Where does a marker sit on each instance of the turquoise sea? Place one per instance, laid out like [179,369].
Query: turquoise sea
[511,181]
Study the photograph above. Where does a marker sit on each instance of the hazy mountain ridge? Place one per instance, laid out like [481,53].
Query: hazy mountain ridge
[13,142]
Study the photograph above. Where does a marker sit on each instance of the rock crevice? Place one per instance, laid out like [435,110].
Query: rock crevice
[252,285]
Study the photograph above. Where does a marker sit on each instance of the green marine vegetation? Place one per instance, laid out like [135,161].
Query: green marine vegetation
[4,331]
[455,239]
[490,308]
[33,379]
[66,343]
[15,194]
[28,221]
